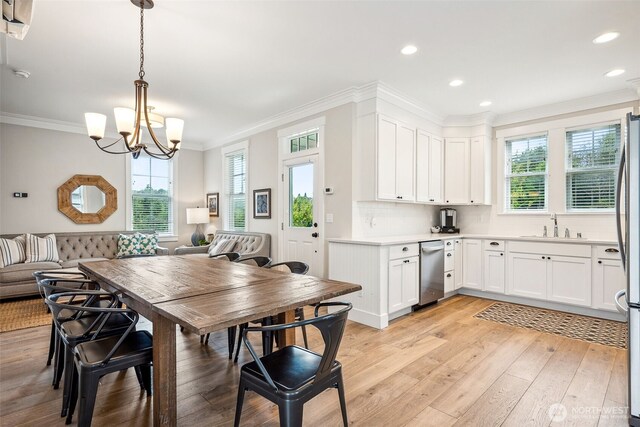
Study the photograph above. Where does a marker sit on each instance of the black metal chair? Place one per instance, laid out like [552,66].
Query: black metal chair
[82,325]
[231,256]
[104,353]
[292,375]
[296,267]
[260,261]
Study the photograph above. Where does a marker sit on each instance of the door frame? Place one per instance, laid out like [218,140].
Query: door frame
[284,155]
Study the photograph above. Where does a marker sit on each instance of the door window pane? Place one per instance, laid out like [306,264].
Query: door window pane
[301,195]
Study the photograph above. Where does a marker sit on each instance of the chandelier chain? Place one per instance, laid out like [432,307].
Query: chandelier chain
[141,73]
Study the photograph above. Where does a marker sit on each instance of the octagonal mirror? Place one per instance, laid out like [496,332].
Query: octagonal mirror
[87,199]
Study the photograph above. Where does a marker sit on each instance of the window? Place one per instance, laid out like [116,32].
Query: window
[152,195]
[303,142]
[526,174]
[592,158]
[235,184]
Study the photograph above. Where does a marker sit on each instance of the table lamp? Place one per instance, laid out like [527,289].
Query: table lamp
[197,216]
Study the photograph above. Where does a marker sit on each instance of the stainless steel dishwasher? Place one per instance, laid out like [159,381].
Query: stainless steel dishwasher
[431,272]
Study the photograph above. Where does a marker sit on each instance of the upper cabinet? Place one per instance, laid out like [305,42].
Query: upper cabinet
[429,167]
[467,171]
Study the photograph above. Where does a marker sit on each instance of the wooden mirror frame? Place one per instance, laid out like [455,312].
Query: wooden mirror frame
[110,199]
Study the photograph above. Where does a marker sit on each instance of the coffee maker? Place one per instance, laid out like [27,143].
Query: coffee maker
[448,221]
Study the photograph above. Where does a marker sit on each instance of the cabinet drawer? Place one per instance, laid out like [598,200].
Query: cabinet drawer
[566,249]
[449,260]
[449,282]
[404,251]
[494,245]
[607,252]
[448,245]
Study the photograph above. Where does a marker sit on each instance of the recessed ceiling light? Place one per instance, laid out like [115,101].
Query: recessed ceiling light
[615,72]
[485,103]
[455,83]
[409,50]
[606,37]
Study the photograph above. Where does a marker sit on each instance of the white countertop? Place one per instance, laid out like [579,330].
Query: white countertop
[415,238]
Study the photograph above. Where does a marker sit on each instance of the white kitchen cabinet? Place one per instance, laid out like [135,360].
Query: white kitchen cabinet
[608,278]
[395,160]
[429,162]
[494,271]
[456,171]
[457,265]
[479,171]
[404,274]
[528,275]
[449,282]
[569,280]
[472,263]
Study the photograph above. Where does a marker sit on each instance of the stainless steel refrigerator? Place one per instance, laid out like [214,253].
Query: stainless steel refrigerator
[628,219]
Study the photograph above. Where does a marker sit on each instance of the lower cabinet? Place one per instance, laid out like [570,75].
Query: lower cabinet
[457,265]
[494,271]
[472,263]
[404,275]
[528,275]
[608,278]
[569,280]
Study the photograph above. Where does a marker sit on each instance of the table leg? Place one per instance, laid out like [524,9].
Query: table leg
[288,336]
[164,372]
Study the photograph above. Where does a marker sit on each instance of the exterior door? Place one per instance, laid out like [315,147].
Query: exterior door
[302,215]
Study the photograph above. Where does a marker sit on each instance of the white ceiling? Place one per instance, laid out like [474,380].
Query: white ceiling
[225,65]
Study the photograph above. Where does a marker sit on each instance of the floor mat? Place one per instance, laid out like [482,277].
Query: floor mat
[22,314]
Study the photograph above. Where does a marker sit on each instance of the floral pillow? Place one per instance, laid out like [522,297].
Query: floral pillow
[147,243]
[127,245]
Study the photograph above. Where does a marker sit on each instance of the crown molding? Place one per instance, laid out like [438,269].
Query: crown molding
[564,107]
[484,118]
[62,126]
[635,83]
[389,94]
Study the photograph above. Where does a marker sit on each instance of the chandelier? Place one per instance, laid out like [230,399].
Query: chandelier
[128,121]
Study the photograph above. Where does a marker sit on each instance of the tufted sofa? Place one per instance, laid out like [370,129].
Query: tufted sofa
[250,244]
[17,279]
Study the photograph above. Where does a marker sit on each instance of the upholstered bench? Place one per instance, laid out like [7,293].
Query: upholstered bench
[247,244]
[17,279]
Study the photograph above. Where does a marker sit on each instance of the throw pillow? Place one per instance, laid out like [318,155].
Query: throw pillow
[41,249]
[224,245]
[127,245]
[147,243]
[12,251]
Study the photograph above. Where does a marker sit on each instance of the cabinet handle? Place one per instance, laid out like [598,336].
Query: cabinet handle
[544,258]
[599,262]
[449,254]
[494,243]
[501,254]
[472,201]
[398,197]
[448,274]
[405,261]
[612,250]
[548,257]
[448,243]
[405,249]
[447,201]
[432,200]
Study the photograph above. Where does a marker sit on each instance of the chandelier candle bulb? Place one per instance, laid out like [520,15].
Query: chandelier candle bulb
[96,124]
[174,130]
[125,119]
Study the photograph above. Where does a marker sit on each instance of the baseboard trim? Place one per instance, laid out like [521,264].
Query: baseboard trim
[378,321]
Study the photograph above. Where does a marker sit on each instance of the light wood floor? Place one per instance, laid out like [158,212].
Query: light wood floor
[437,367]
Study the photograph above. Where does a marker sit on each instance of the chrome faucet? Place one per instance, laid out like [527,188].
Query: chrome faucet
[567,234]
[554,217]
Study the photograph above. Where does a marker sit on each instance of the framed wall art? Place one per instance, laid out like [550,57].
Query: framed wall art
[213,203]
[262,203]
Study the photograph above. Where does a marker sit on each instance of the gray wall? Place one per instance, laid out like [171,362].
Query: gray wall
[37,161]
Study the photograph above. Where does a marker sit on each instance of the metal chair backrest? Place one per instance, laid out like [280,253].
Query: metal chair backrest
[296,267]
[260,261]
[231,256]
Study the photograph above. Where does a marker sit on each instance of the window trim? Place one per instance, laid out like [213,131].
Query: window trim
[225,151]
[162,237]
[507,176]
[567,171]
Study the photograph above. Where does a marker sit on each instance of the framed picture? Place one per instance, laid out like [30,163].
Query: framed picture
[212,203]
[262,203]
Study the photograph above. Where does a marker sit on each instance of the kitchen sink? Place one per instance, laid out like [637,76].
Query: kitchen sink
[533,236]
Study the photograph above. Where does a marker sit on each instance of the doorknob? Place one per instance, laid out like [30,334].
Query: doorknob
[314,235]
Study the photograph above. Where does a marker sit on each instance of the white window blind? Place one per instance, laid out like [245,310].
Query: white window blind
[592,158]
[526,174]
[235,191]
[152,194]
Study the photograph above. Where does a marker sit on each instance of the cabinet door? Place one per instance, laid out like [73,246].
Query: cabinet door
[472,263]
[477,171]
[395,285]
[456,170]
[436,158]
[423,166]
[410,281]
[494,271]
[386,172]
[449,282]
[569,280]
[405,163]
[457,265]
[608,278]
[528,275]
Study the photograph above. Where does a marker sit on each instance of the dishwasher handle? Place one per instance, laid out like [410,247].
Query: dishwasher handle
[428,249]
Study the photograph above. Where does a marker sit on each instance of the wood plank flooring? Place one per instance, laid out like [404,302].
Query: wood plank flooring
[436,367]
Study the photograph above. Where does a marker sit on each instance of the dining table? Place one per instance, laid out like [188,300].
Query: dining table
[203,295]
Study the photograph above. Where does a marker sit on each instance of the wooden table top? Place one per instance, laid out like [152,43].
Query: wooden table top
[204,294]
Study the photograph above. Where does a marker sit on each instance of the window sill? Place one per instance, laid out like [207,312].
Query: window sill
[167,238]
[524,213]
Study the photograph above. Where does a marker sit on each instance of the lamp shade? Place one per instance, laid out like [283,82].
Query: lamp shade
[174,130]
[95,125]
[125,119]
[197,215]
